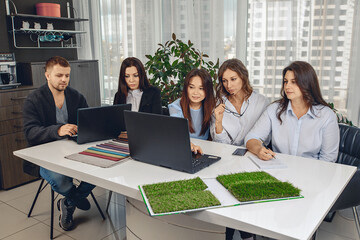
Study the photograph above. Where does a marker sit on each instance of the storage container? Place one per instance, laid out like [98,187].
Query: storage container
[48,9]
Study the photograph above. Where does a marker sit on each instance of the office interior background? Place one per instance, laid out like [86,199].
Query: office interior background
[265,34]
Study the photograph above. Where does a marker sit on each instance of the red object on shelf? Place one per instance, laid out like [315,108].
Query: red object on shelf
[48,9]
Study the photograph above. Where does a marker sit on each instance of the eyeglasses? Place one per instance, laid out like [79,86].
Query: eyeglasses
[236,114]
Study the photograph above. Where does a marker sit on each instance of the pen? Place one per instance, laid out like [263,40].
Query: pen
[263,143]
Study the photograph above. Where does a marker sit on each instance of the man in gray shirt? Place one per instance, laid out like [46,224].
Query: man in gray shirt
[50,113]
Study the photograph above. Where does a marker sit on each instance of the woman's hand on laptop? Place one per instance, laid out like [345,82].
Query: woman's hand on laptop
[196,149]
[67,129]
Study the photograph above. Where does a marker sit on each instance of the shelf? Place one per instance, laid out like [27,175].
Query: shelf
[46,17]
[46,31]
[44,38]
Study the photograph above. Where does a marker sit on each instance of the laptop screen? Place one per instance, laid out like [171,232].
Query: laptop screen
[159,140]
[100,123]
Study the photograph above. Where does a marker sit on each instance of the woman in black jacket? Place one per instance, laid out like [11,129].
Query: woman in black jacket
[134,88]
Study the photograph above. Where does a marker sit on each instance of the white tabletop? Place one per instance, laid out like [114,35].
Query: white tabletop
[321,184]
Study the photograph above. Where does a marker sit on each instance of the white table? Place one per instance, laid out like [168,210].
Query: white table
[321,184]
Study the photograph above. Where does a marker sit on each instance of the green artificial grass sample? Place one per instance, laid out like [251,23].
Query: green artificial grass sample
[174,187]
[263,190]
[179,195]
[251,186]
[183,201]
[227,180]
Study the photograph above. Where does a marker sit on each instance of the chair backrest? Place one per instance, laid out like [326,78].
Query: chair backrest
[349,154]
[349,147]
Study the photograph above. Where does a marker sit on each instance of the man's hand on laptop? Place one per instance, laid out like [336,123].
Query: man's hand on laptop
[196,149]
[67,129]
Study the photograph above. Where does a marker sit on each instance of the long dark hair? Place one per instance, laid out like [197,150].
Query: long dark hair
[208,103]
[123,88]
[237,66]
[307,80]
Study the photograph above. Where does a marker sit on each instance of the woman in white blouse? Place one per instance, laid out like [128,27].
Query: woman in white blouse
[301,123]
[239,106]
[134,88]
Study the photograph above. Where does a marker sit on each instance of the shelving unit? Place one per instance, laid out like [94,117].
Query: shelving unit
[45,38]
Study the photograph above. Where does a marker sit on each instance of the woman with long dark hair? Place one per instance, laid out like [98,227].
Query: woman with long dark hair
[301,123]
[134,88]
[238,109]
[238,105]
[196,103]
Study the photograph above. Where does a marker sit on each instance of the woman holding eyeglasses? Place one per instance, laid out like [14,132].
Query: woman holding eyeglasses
[239,106]
[301,123]
[196,104]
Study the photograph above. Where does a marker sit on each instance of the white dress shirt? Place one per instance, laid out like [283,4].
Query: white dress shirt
[314,135]
[235,128]
[134,98]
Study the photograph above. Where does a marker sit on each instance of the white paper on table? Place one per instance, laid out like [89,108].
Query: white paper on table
[274,163]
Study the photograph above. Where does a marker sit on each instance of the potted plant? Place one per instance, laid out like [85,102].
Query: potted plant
[171,62]
[341,118]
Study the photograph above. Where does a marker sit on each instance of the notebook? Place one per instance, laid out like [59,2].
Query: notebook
[163,141]
[100,123]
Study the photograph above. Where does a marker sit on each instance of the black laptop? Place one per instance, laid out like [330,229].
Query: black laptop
[163,141]
[100,123]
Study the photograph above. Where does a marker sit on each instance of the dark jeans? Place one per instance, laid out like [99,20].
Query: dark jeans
[64,185]
[230,234]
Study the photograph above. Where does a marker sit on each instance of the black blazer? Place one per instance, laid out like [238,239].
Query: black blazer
[39,115]
[150,100]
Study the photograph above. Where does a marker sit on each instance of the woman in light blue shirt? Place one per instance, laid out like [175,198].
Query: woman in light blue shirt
[196,103]
[301,123]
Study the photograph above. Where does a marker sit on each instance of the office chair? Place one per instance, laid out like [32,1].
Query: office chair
[33,170]
[349,154]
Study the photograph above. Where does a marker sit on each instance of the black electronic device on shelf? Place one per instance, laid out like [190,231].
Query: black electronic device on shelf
[8,77]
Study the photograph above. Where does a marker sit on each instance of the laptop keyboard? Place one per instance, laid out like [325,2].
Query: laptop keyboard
[198,159]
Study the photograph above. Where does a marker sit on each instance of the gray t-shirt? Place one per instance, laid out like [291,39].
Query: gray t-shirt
[62,114]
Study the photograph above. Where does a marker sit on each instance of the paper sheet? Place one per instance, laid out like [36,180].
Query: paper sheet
[274,163]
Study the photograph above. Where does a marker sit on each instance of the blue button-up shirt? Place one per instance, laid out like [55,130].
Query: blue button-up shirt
[314,135]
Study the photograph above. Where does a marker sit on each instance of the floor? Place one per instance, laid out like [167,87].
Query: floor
[15,225]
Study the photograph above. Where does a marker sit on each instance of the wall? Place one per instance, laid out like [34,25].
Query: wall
[30,55]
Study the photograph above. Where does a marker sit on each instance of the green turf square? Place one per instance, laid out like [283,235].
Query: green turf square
[252,186]
[179,195]
[183,201]
[252,191]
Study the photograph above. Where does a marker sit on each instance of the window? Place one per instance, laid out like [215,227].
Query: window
[278,32]
[330,11]
[278,82]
